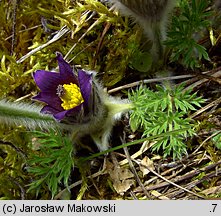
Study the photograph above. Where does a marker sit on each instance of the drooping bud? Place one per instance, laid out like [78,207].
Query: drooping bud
[152,17]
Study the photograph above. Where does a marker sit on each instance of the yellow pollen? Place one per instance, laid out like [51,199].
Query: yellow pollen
[71,97]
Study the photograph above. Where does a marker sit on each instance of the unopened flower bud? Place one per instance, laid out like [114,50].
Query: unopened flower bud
[151,15]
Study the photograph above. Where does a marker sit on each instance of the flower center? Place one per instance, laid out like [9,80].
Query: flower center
[70,95]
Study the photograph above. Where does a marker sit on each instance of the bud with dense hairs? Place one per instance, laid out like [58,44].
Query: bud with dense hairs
[152,15]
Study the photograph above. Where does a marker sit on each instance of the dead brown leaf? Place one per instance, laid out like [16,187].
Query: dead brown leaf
[121,177]
[148,163]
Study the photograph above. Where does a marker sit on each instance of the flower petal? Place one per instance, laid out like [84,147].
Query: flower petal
[68,113]
[61,115]
[46,80]
[85,84]
[49,110]
[66,72]
[51,99]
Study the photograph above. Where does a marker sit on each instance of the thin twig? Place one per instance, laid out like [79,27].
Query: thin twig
[15,7]
[170,182]
[201,81]
[195,183]
[208,138]
[208,106]
[184,177]
[64,30]
[130,85]
[166,173]
[194,79]
[137,83]
[133,195]
[101,172]
[135,172]
[163,173]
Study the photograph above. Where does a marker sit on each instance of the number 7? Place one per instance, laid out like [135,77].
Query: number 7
[214,208]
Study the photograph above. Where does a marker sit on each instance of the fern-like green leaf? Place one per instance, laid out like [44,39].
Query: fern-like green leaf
[53,165]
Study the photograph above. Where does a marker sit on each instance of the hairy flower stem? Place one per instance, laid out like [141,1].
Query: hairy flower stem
[158,48]
[12,113]
[115,108]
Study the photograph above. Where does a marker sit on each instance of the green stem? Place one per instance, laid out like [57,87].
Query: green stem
[157,42]
[131,144]
[12,113]
[115,108]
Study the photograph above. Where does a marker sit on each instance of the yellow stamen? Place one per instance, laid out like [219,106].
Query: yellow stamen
[71,97]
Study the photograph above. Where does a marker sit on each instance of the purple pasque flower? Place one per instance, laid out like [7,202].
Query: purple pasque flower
[67,96]
[80,102]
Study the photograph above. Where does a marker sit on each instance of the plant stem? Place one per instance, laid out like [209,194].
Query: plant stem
[131,143]
[29,115]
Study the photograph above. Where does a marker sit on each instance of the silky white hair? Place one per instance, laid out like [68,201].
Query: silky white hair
[100,121]
[26,114]
[151,15]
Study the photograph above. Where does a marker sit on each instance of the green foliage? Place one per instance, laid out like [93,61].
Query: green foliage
[164,111]
[37,22]
[186,27]
[217,141]
[122,48]
[141,61]
[53,163]
[13,151]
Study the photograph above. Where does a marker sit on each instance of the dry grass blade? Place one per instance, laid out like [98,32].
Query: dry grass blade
[181,178]
[135,172]
[59,195]
[208,106]
[195,183]
[172,183]
[59,35]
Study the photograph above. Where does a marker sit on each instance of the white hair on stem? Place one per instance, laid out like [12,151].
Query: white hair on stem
[26,114]
[151,15]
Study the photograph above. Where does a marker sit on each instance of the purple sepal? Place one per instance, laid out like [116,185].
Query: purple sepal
[85,83]
[48,83]
[66,72]
[68,113]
